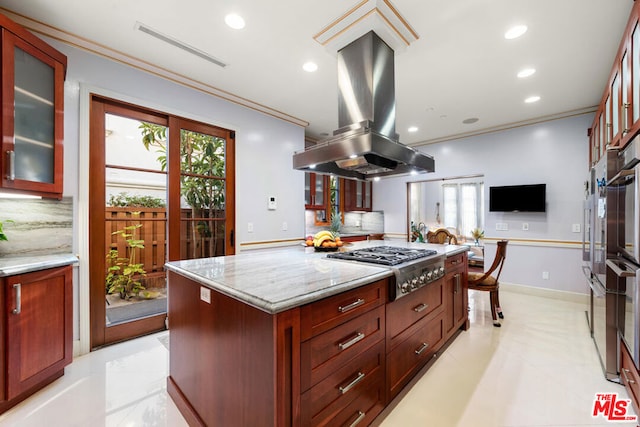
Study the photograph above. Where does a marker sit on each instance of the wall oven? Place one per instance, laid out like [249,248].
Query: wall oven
[628,315]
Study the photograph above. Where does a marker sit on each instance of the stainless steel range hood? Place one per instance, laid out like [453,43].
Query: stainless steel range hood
[366,144]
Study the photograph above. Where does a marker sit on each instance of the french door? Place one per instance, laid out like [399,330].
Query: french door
[161,188]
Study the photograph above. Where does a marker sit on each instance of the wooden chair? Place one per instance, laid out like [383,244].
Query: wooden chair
[441,235]
[486,282]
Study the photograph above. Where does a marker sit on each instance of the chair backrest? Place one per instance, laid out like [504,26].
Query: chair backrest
[498,261]
[441,235]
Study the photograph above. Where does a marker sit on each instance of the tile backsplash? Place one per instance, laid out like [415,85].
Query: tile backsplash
[39,227]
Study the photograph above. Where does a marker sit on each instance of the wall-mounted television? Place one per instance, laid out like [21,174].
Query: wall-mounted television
[518,198]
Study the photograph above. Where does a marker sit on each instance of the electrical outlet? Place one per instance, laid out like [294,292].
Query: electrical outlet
[250,227]
[285,226]
[502,226]
[575,228]
[525,226]
[545,275]
[205,294]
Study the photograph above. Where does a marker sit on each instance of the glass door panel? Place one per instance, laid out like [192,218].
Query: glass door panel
[203,195]
[135,220]
[34,118]
[635,70]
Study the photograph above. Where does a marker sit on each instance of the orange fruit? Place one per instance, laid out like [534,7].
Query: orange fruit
[310,242]
[339,243]
[332,244]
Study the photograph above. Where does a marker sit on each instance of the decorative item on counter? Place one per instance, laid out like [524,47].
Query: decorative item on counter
[477,234]
[418,232]
[2,235]
[324,241]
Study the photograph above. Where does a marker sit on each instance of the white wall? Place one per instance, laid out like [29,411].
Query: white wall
[264,148]
[555,153]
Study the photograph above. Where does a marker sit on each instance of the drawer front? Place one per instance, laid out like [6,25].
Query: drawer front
[454,262]
[344,385]
[629,375]
[323,315]
[361,411]
[327,352]
[413,353]
[407,310]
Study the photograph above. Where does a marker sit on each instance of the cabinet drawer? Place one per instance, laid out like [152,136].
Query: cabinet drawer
[326,353]
[361,411]
[340,388]
[325,314]
[454,262]
[629,375]
[406,311]
[413,353]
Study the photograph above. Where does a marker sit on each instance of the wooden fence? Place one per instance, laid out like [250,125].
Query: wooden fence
[199,237]
[153,233]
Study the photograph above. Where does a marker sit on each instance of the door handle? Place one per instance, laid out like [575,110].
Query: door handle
[18,289]
[11,160]
[231,237]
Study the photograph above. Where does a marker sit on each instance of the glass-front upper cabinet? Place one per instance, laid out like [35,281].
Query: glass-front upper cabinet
[32,115]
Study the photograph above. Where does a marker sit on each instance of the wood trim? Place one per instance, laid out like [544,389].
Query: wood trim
[136,328]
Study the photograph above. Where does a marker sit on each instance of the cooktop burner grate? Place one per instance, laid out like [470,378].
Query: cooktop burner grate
[385,255]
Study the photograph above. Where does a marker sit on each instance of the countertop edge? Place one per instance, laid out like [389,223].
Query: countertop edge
[275,308]
[22,265]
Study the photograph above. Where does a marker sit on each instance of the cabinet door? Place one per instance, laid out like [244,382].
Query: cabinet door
[635,77]
[32,118]
[39,327]
[316,189]
[615,108]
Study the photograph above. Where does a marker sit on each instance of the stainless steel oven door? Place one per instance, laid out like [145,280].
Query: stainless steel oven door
[598,318]
[628,214]
[628,275]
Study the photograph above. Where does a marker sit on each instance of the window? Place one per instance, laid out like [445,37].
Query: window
[463,206]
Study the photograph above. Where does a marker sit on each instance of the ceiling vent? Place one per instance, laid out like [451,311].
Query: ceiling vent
[179,44]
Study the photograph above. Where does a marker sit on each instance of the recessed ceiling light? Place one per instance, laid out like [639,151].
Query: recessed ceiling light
[377,178]
[312,166]
[515,32]
[470,120]
[310,67]
[235,21]
[413,129]
[532,99]
[526,72]
[353,156]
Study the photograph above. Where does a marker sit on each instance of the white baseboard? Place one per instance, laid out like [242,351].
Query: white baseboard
[546,293]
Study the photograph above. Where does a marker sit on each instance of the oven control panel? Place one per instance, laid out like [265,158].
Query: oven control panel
[411,279]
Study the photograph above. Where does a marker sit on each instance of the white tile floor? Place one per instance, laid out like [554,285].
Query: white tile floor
[539,369]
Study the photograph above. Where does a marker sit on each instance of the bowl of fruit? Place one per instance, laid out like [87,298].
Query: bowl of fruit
[324,241]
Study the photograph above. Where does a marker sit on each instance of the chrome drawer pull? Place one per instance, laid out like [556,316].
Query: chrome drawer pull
[18,288]
[361,416]
[349,386]
[352,341]
[421,307]
[351,306]
[625,371]
[422,348]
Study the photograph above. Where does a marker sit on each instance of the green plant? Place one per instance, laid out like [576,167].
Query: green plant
[202,183]
[126,200]
[2,235]
[123,272]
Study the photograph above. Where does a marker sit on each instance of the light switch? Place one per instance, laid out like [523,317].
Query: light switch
[271,203]
[575,228]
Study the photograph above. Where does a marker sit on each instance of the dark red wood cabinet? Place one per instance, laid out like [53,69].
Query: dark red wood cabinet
[32,122]
[37,326]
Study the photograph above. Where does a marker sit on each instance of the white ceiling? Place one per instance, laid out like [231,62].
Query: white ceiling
[460,66]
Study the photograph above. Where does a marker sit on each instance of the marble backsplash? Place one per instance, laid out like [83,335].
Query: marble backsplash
[354,223]
[39,227]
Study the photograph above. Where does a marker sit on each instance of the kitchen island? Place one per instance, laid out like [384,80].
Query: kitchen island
[289,337]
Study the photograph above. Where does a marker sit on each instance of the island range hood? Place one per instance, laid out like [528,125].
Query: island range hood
[365,145]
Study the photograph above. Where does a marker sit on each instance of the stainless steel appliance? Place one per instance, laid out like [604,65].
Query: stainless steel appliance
[602,235]
[365,145]
[588,225]
[626,267]
[413,268]
[628,316]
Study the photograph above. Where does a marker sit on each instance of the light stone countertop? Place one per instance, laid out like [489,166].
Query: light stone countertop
[275,280]
[10,266]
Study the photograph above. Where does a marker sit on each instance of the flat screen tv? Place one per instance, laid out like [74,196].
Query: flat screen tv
[518,198]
